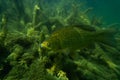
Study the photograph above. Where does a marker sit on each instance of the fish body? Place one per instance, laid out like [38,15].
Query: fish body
[74,38]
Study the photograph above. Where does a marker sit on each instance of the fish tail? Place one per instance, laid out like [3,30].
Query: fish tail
[106,37]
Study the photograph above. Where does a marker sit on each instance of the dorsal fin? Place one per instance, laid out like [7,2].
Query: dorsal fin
[85,27]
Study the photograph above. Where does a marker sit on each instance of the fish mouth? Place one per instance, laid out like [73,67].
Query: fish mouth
[45,45]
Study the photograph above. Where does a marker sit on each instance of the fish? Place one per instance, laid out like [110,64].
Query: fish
[76,38]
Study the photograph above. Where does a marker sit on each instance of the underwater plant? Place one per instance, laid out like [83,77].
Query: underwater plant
[55,41]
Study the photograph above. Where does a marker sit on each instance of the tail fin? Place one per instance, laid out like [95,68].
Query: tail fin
[106,37]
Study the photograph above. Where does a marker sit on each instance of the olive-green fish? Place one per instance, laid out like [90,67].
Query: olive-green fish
[74,38]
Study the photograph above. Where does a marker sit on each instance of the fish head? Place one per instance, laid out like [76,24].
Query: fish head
[51,44]
[46,45]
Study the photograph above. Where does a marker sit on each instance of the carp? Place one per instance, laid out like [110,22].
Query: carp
[74,38]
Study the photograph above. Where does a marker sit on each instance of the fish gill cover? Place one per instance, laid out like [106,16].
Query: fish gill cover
[56,40]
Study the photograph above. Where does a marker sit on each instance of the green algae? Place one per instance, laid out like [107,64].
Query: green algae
[23,58]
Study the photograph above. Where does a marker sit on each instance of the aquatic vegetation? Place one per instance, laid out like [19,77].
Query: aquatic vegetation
[41,42]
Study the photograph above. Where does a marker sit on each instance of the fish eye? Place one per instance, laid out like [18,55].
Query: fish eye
[46,43]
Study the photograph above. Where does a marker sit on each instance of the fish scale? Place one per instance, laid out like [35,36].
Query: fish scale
[74,38]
